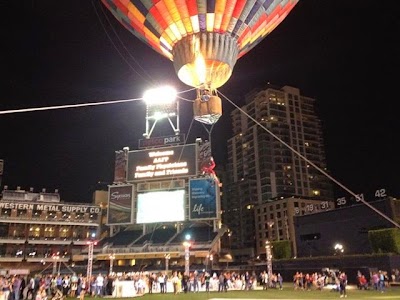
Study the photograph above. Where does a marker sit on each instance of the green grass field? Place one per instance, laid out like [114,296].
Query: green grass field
[286,293]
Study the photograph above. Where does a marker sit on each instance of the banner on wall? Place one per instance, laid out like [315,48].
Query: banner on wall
[203,198]
[120,204]
[120,166]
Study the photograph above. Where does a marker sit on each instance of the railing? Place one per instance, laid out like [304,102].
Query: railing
[153,248]
[43,240]
[32,257]
[141,249]
[33,220]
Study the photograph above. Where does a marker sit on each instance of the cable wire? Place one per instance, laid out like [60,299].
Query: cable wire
[184,99]
[311,163]
[185,91]
[21,110]
[12,111]
[151,81]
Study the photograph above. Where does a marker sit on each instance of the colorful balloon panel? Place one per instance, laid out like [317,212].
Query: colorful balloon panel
[183,30]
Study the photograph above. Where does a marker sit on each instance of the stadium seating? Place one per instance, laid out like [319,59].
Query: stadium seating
[124,238]
[200,234]
[158,236]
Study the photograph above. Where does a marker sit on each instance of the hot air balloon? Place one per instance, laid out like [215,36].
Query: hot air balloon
[203,38]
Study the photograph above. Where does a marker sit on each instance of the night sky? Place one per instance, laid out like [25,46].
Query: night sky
[343,53]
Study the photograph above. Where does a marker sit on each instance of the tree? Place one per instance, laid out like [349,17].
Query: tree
[385,240]
[281,249]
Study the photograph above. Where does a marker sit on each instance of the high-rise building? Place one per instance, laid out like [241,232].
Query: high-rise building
[262,169]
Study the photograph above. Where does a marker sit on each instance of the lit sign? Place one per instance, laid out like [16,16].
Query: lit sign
[162,162]
[162,141]
[120,204]
[50,207]
[203,198]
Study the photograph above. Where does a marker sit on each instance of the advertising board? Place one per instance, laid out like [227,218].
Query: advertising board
[120,204]
[162,163]
[203,199]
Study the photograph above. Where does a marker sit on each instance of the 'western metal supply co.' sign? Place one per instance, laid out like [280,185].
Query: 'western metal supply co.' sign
[50,207]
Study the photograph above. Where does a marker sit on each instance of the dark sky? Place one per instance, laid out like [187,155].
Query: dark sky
[343,53]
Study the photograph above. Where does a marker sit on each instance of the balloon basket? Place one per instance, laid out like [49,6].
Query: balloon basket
[209,111]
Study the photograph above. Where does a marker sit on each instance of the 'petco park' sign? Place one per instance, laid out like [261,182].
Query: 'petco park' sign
[162,141]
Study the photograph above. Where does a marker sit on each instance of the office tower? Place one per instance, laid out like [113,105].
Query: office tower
[262,169]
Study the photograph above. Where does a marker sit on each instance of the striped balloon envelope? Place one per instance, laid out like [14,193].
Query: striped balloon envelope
[203,38]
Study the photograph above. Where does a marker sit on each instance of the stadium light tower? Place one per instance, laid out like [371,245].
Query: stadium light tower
[187,245]
[161,104]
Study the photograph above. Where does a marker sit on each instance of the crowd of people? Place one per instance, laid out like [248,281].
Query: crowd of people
[319,280]
[338,280]
[378,281]
[40,287]
[58,287]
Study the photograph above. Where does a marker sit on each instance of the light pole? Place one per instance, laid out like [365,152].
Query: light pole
[56,257]
[187,245]
[210,258]
[270,224]
[339,250]
[112,257]
[167,258]
[268,254]
[90,244]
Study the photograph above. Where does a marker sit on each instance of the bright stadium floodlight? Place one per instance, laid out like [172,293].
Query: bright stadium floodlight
[161,104]
[160,96]
[338,248]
